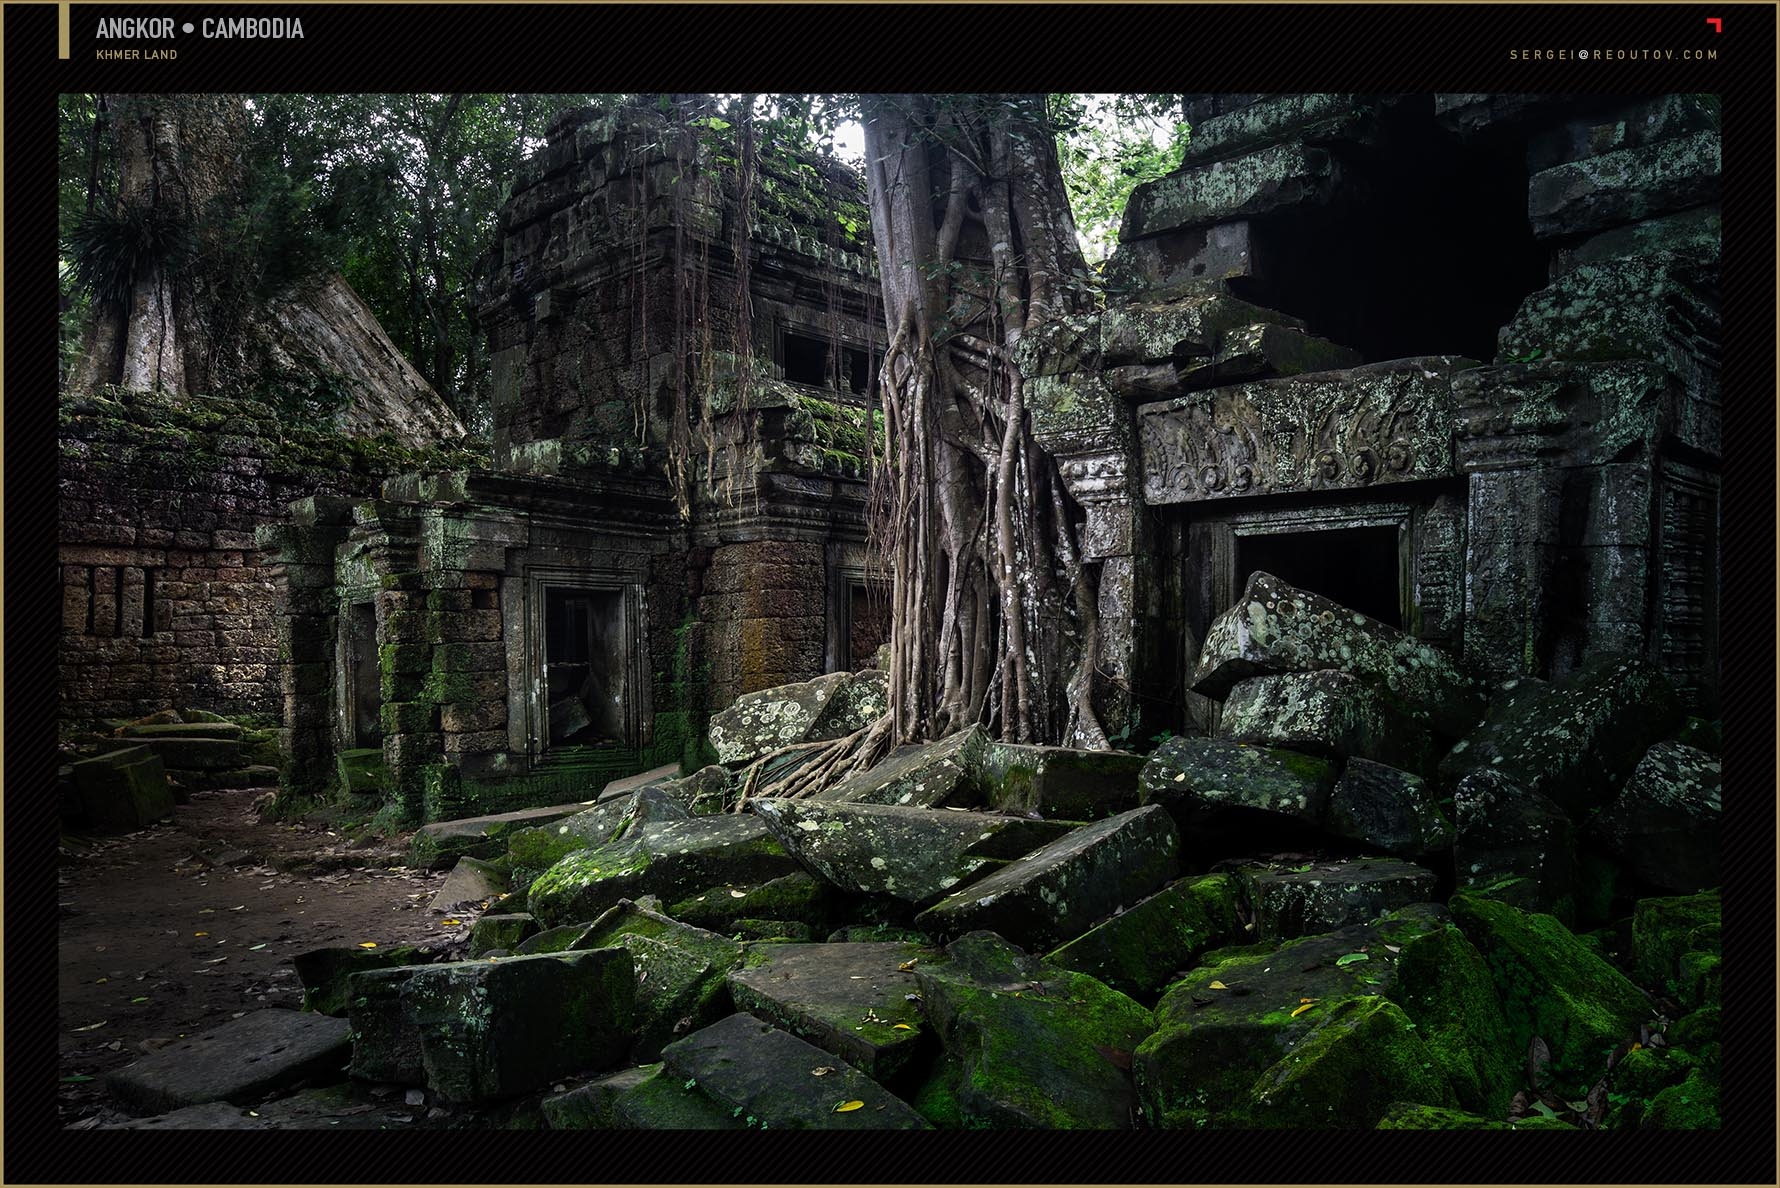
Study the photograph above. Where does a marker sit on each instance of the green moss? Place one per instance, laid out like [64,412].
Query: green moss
[1550,985]
[1305,767]
[1665,930]
[1691,1105]
[1362,1057]
[1414,1116]
[1444,986]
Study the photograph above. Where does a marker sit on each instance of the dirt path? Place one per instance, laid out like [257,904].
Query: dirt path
[178,928]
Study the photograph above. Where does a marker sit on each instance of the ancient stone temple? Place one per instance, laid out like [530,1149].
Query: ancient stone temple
[674,511]
[1448,360]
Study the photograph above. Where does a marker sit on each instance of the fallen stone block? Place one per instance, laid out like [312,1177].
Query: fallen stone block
[1665,930]
[1235,1032]
[853,1000]
[643,779]
[1625,185]
[385,1038]
[1191,328]
[240,1062]
[642,1098]
[493,1029]
[1277,628]
[794,905]
[1329,895]
[1553,986]
[196,754]
[1028,1044]
[505,932]
[182,730]
[536,849]
[917,855]
[669,858]
[1142,949]
[1665,823]
[681,972]
[1514,842]
[480,837]
[762,722]
[121,791]
[749,1065]
[1384,807]
[1061,890]
[1574,741]
[1325,713]
[471,881]
[1269,179]
[326,974]
[930,775]
[1059,782]
[1218,785]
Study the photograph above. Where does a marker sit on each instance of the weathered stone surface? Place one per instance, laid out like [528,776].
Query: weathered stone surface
[239,1062]
[1291,902]
[1060,891]
[1630,125]
[1027,1044]
[1263,350]
[795,906]
[1276,627]
[1395,811]
[1326,713]
[707,790]
[471,881]
[1217,783]
[666,858]
[1285,175]
[385,1040]
[1578,739]
[850,999]
[1553,986]
[1664,824]
[642,1098]
[1513,841]
[326,973]
[916,855]
[1060,781]
[504,932]
[1360,428]
[1184,262]
[1243,1053]
[1191,328]
[536,850]
[861,700]
[745,1063]
[643,779]
[1696,233]
[481,837]
[1665,930]
[1142,949]
[196,754]
[491,1029]
[182,730]
[772,718]
[1310,117]
[121,791]
[1624,185]
[939,773]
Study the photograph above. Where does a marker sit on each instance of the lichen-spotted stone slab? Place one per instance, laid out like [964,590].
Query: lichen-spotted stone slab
[772,718]
[1276,627]
[240,1061]
[1065,888]
[748,1065]
[1140,950]
[1290,901]
[1060,782]
[1390,809]
[1326,713]
[1208,781]
[946,772]
[917,855]
[1284,175]
[1665,822]
[856,1000]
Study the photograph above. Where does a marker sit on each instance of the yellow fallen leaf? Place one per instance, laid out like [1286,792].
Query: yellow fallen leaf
[902,1027]
[822,1071]
[103,1022]
[1307,1000]
[101,981]
[200,934]
[367,944]
[1219,986]
[910,963]
[449,923]
[738,895]
[1302,1009]
[847,1107]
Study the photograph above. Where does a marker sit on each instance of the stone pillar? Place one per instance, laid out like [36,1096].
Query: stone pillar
[300,558]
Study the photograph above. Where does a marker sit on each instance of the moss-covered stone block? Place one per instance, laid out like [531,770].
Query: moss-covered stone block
[408,657]
[1666,929]
[1691,1105]
[1140,950]
[1364,1055]
[408,717]
[326,974]
[793,899]
[1552,986]
[503,931]
[1029,1044]
[1327,712]
[1444,986]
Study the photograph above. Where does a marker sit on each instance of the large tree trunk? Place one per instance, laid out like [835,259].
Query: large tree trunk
[993,612]
[181,327]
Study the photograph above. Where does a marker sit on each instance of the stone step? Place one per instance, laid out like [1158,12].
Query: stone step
[239,1062]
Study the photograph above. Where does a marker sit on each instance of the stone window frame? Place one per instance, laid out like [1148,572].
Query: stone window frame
[821,332]
[524,683]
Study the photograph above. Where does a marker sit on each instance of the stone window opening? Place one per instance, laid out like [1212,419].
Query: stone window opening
[810,360]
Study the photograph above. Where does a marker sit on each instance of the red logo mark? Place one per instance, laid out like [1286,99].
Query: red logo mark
[1717,24]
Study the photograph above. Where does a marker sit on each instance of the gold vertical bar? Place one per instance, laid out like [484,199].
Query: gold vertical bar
[62,35]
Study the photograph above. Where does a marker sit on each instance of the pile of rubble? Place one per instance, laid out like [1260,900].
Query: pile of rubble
[133,775]
[1470,908]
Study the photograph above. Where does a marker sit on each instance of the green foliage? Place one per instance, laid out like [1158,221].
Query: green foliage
[1107,145]
[109,250]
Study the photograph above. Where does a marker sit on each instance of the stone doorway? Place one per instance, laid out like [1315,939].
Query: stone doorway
[584,666]
[363,682]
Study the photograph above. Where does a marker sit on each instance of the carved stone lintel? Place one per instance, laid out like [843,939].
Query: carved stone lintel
[1385,423]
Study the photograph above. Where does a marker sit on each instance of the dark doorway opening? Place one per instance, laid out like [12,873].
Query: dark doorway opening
[584,666]
[1428,251]
[365,686]
[806,361]
[1357,567]
[868,623]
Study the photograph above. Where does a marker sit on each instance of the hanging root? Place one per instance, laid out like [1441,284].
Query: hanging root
[835,759]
